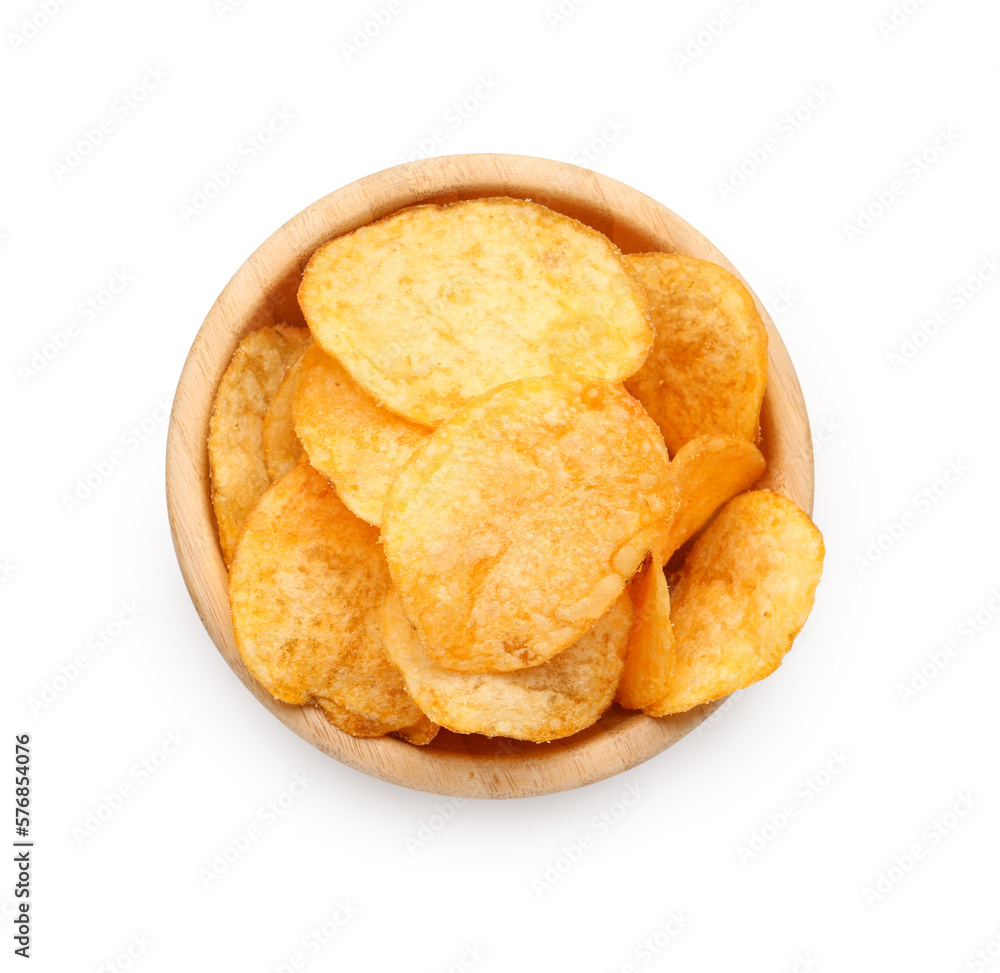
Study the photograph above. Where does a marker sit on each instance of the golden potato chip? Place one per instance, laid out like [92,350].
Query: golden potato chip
[708,471]
[437,304]
[306,588]
[235,437]
[546,702]
[356,726]
[519,521]
[282,449]
[349,437]
[419,734]
[706,373]
[745,590]
[649,665]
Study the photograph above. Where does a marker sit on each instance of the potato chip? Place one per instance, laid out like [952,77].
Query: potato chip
[282,449]
[344,719]
[437,304]
[649,665]
[306,588]
[546,702]
[706,373]
[419,734]
[708,471]
[745,590]
[519,521]
[235,437]
[349,437]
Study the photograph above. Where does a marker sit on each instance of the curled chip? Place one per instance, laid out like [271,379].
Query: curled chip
[419,734]
[282,449]
[742,595]
[356,726]
[349,437]
[546,702]
[708,367]
[306,588]
[437,304]
[519,521]
[649,666]
[708,471]
[235,437]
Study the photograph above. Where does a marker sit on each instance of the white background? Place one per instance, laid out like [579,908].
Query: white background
[603,87]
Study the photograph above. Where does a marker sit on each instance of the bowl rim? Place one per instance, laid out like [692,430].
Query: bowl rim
[620,740]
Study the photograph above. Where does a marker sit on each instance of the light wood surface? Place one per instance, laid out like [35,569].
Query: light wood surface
[263,292]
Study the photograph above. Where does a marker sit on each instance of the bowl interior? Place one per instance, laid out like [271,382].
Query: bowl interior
[263,292]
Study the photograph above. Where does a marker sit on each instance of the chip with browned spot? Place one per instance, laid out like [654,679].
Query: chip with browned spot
[743,593]
[306,587]
[708,471]
[435,305]
[706,373]
[282,449]
[547,702]
[649,665]
[235,439]
[349,437]
[519,521]
[419,734]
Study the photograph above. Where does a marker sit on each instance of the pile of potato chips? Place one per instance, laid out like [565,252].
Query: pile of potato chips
[451,502]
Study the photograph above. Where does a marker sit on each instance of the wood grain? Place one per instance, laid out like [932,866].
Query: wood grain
[263,292]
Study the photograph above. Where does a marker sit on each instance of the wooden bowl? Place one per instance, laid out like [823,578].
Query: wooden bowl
[263,292]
